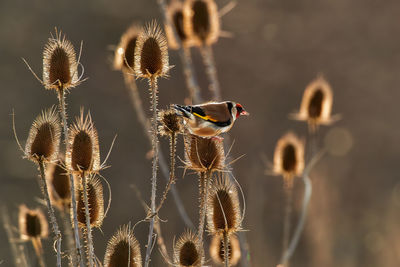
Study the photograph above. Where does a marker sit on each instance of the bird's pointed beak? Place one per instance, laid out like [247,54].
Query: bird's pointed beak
[244,113]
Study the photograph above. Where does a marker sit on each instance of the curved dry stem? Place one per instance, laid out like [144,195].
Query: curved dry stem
[63,114]
[53,221]
[90,256]
[287,219]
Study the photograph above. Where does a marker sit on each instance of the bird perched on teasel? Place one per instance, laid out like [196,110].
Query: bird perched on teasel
[211,119]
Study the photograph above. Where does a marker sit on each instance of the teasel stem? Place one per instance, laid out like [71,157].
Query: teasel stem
[226,248]
[68,234]
[172,171]
[205,181]
[211,71]
[184,53]
[53,221]
[63,113]
[154,141]
[88,229]
[288,188]
[137,104]
[37,245]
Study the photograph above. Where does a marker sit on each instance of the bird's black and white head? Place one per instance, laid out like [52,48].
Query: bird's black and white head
[236,110]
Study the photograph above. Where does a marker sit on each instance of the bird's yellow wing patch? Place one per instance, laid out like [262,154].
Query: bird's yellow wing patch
[207,118]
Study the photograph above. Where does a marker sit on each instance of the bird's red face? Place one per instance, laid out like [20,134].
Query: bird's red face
[241,111]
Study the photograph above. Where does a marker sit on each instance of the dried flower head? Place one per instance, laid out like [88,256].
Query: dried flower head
[83,146]
[187,251]
[44,137]
[204,154]
[151,53]
[171,122]
[124,58]
[32,223]
[201,21]
[217,251]
[60,67]
[123,248]
[59,185]
[316,104]
[175,15]
[289,156]
[95,202]
[223,211]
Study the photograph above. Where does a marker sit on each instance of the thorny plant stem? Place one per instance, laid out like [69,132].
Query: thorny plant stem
[172,171]
[63,113]
[205,179]
[288,188]
[37,244]
[87,219]
[68,234]
[226,248]
[153,91]
[184,54]
[137,104]
[211,71]
[45,192]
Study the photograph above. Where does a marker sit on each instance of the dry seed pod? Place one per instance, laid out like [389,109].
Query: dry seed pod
[95,202]
[187,251]
[217,252]
[204,154]
[289,156]
[201,21]
[316,105]
[123,248]
[171,122]
[60,67]
[83,147]
[151,53]
[59,185]
[175,15]
[124,58]
[223,211]
[44,137]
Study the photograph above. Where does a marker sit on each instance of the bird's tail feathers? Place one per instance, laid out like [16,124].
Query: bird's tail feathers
[183,109]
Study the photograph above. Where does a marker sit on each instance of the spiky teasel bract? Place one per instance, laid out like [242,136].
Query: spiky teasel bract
[316,104]
[60,66]
[171,122]
[175,14]
[59,185]
[204,154]
[151,53]
[95,203]
[43,141]
[188,252]
[33,226]
[124,56]
[201,21]
[217,251]
[223,207]
[83,155]
[123,248]
[289,157]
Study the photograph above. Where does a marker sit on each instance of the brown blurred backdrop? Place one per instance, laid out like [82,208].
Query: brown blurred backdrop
[277,48]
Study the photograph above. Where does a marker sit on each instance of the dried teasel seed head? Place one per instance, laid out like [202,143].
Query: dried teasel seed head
[204,154]
[188,252]
[223,207]
[171,122]
[217,251]
[289,156]
[32,223]
[124,57]
[316,105]
[44,137]
[60,67]
[123,248]
[175,14]
[95,202]
[151,53]
[201,21]
[59,185]
[83,153]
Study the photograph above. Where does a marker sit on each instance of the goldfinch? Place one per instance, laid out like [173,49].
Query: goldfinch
[211,119]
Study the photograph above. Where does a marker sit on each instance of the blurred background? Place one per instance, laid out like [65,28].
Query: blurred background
[277,48]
